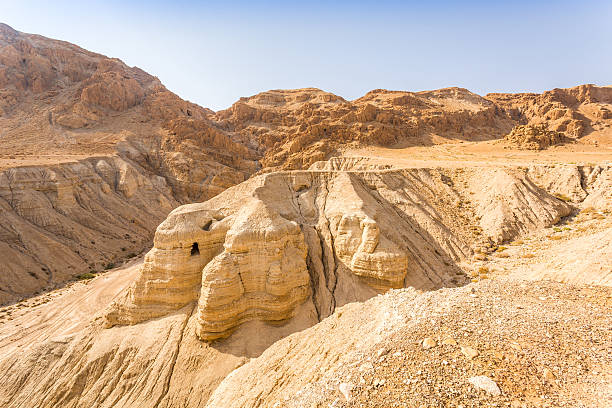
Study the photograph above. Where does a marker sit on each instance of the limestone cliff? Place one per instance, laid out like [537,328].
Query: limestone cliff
[260,249]
[295,128]
[572,112]
[63,109]
[94,154]
[282,252]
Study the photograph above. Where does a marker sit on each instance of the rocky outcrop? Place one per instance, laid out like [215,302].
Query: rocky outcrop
[94,155]
[572,112]
[60,221]
[61,105]
[261,249]
[509,204]
[275,255]
[587,185]
[292,129]
[91,105]
[531,137]
[260,274]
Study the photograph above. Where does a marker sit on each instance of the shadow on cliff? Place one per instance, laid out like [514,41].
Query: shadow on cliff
[432,266]
[333,283]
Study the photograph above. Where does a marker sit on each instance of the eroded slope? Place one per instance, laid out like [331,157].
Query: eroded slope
[285,251]
[94,154]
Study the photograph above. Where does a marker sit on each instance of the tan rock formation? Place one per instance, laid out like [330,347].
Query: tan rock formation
[260,274]
[264,243]
[590,185]
[63,220]
[260,249]
[295,128]
[533,137]
[94,155]
[572,112]
[62,104]
[509,204]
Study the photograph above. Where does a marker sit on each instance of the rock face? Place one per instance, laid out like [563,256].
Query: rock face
[510,204]
[61,105]
[94,155]
[260,249]
[66,219]
[572,112]
[533,137]
[260,274]
[295,128]
[590,185]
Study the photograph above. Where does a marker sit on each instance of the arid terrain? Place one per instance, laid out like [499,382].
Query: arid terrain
[404,249]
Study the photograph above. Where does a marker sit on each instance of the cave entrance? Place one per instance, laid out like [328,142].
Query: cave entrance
[195,250]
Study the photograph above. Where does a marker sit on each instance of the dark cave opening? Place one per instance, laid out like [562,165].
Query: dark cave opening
[195,250]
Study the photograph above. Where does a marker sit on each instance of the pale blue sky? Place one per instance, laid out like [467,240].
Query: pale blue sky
[214,52]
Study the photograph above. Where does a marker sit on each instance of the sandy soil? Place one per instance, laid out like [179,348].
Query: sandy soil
[482,154]
[40,160]
[61,312]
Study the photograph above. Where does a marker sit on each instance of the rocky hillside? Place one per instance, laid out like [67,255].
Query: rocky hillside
[270,294]
[94,154]
[295,128]
[573,112]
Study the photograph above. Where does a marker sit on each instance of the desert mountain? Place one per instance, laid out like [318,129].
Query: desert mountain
[95,153]
[253,298]
[434,248]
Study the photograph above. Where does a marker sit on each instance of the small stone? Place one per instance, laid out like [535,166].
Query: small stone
[483,382]
[429,343]
[379,382]
[469,352]
[382,352]
[516,347]
[549,375]
[449,341]
[345,389]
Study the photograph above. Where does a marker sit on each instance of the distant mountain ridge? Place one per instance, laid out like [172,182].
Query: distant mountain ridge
[92,147]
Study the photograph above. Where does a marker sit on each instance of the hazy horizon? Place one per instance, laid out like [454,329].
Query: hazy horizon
[213,54]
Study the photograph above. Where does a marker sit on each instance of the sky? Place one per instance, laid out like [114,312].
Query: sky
[214,52]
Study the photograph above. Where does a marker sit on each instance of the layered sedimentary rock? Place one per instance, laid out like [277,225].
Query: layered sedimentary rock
[358,245]
[590,185]
[295,128]
[260,274]
[280,253]
[62,104]
[572,112]
[510,204]
[67,219]
[94,155]
[533,137]
[261,249]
